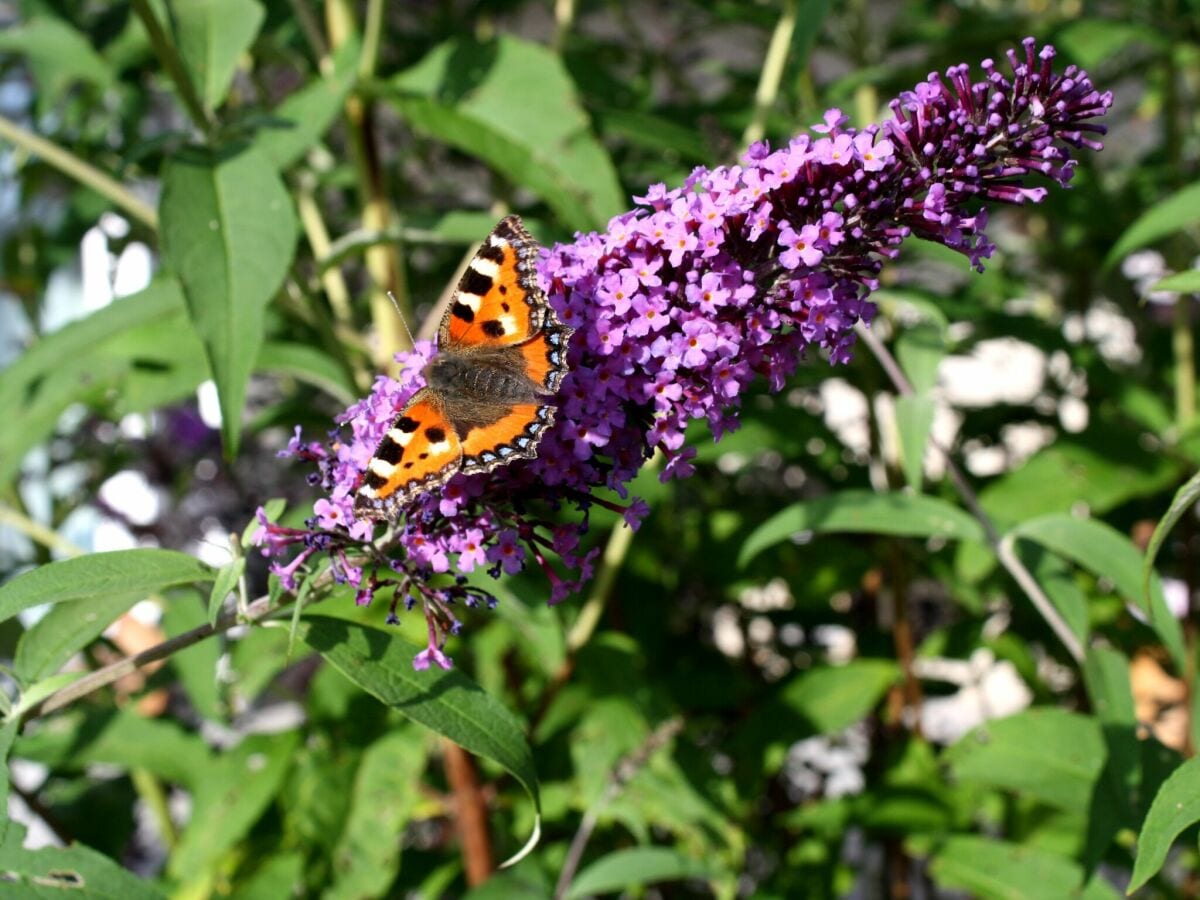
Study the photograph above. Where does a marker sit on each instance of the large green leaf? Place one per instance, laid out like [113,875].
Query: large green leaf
[233,795]
[309,365]
[1181,282]
[212,35]
[133,573]
[633,868]
[8,734]
[52,873]
[1107,553]
[387,788]
[1185,498]
[303,118]
[865,512]
[1051,754]
[1175,807]
[512,104]
[448,702]
[1175,213]
[229,233]
[997,870]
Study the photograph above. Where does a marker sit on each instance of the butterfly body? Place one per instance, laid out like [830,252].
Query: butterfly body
[489,392]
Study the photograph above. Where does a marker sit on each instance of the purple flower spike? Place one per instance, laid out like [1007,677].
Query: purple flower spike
[686,299]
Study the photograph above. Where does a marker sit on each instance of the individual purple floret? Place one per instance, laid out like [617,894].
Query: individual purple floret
[688,298]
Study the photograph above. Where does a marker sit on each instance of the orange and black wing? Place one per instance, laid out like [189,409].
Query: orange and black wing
[419,452]
[498,301]
[544,356]
[513,434]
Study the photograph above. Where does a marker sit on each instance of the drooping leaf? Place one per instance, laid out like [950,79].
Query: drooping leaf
[1175,213]
[447,702]
[914,420]
[58,56]
[1181,282]
[633,868]
[1175,807]
[511,103]
[228,233]
[235,792]
[225,582]
[212,35]
[8,734]
[1051,754]
[865,512]
[1107,553]
[920,350]
[74,871]
[133,573]
[833,697]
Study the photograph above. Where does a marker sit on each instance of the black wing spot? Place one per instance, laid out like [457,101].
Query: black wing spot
[491,252]
[504,306]
[423,456]
[504,290]
[476,283]
[493,328]
[389,451]
[408,465]
[435,435]
[464,312]
[375,481]
[407,424]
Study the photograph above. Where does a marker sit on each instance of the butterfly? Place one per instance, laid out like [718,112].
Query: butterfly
[489,392]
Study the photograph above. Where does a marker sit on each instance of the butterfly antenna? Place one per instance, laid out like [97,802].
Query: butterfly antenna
[412,340]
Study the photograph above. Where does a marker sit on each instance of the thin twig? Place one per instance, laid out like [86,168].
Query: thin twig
[47,537]
[621,775]
[85,173]
[1003,547]
[772,73]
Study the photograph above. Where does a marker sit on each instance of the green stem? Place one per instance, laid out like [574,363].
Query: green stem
[85,173]
[589,617]
[1182,343]
[165,50]
[564,18]
[772,73]
[151,791]
[45,536]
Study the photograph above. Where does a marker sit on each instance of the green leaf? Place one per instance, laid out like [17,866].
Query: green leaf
[1185,498]
[387,789]
[865,512]
[229,233]
[196,665]
[281,875]
[997,870]
[919,350]
[134,573]
[63,632]
[1106,677]
[58,56]
[1056,577]
[235,792]
[309,365]
[1181,282]
[1175,213]
[212,35]
[1107,553]
[1175,807]
[446,702]
[511,103]
[914,420]
[40,690]
[224,584]
[1051,754]
[635,867]
[301,120]
[74,871]
[834,697]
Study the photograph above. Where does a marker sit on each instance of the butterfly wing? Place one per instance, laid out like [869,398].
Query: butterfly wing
[420,451]
[512,434]
[498,301]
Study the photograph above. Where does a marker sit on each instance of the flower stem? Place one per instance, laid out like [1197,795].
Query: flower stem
[589,617]
[164,49]
[47,537]
[1182,343]
[564,18]
[772,73]
[1002,547]
[85,173]
[150,790]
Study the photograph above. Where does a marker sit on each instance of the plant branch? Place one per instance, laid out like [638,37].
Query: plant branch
[1002,547]
[470,813]
[85,173]
[35,531]
[168,55]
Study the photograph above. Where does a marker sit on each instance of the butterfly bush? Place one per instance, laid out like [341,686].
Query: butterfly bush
[679,306]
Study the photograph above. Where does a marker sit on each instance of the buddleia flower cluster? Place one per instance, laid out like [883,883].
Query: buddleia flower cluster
[679,305]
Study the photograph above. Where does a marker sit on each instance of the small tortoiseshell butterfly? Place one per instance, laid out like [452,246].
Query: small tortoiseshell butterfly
[487,400]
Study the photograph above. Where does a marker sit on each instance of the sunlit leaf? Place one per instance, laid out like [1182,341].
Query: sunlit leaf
[1175,808]
[212,35]
[634,868]
[999,870]
[74,871]
[1175,213]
